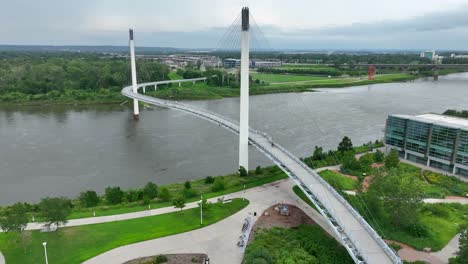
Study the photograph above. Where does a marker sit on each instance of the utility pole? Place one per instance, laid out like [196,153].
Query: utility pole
[136,110]
[244,92]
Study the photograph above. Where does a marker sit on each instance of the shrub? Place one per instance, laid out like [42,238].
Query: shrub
[114,195]
[187,185]
[150,190]
[89,198]
[243,172]
[218,185]
[188,193]
[379,156]
[258,170]
[164,194]
[133,195]
[209,180]
[392,160]
[160,259]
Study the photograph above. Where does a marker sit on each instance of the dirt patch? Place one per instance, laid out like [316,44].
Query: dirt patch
[366,183]
[172,259]
[272,217]
[377,165]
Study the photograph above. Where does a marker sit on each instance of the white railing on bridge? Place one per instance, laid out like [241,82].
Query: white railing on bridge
[328,213]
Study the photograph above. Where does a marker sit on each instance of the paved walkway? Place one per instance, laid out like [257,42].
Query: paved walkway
[217,240]
[360,239]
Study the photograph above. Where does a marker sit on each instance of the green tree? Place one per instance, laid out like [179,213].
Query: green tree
[150,191]
[179,202]
[400,194]
[209,179]
[318,153]
[392,160]
[89,198]
[114,195]
[187,185]
[55,210]
[164,194]
[243,172]
[350,165]
[345,145]
[14,218]
[379,156]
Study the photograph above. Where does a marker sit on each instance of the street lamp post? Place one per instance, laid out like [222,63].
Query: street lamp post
[201,210]
[45,252]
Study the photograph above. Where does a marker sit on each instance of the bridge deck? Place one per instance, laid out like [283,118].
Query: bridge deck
[361,241]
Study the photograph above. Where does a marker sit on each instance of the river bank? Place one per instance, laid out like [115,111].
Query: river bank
[199,91]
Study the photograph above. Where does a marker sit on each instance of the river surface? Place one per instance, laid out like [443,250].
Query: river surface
[62,150]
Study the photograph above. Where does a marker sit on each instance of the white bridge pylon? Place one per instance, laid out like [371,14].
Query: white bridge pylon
[360,240]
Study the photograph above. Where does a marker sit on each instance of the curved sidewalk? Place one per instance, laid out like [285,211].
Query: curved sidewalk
[217,240]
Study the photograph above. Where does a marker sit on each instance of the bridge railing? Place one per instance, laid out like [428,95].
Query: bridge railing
[363,222]
[222,120]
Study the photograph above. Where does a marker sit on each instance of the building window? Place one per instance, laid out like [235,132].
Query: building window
[395,131]
[442,142]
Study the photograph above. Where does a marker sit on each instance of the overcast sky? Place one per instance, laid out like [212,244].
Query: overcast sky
[292,24]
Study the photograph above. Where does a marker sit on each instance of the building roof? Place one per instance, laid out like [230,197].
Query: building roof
[441,120]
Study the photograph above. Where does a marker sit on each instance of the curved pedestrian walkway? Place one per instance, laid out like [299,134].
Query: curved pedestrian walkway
[359,238]
[217,240]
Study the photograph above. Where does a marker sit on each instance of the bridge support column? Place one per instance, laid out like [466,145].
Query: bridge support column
[244,92]
[436,74]
[144,89]
[180,83]
[136,110]
[155,87]
[193,83]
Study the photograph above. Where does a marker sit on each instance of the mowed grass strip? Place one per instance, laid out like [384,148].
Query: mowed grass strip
[233,183]
[338,181]
[266,77]
[77,244]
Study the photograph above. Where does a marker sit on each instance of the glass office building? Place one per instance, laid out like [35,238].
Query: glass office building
[433,140]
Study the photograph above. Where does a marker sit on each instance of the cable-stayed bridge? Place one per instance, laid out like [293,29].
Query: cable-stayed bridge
[359,238]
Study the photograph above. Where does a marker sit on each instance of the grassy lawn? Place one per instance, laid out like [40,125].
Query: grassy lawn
[438,223]
[302,195]
[77,244]
[338,181]
[233,183]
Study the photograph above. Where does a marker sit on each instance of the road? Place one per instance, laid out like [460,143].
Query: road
[217,240]
[361,241]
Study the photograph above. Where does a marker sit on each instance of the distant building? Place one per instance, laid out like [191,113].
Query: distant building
[430,54]
[433,140]
[236,63]
[455,56]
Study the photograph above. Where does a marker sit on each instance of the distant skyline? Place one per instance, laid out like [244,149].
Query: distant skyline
[293,24]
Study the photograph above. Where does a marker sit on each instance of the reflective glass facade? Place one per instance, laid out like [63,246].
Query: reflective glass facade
[462,149]
[395,131]
[417,136]
[441,146]
[442,142]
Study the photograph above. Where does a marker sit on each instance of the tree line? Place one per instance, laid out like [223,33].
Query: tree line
[37,73]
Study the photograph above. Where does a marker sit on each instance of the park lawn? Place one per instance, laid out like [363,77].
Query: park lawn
[338,181]
[440,229]
[302,66]
[233,183]
[77,244]
[302,195]
[174,76]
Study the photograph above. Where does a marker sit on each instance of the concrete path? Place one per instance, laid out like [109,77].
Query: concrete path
[448,199]
[218,240]
[449,250]
[2,259]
